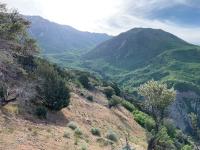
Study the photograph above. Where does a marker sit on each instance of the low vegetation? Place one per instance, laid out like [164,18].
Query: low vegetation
[114,101]
[41,112]
[109,92]
[90,98]
[55,93]
[111,135]
[78,132]
[72,125]
[144,120]
[96,131]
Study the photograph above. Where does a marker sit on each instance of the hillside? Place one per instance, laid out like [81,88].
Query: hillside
[135,48]
[22,129]
[44,106]
[174,62]
[54,38]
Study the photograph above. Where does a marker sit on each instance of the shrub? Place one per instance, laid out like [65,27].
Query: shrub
[171,129]
[112,136]
[84,147]
[41,112]
[56,94]
[187,147]
[90,98]
[164,140]
[144,120]
[66,135]
[78,132]
[114,101]
[83,79]
[129,106]
[96,131]
[2,91]
[72,125]
[116,89]
[109,92]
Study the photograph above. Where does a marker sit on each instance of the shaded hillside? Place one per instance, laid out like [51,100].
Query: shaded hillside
[56,38]
[135,48]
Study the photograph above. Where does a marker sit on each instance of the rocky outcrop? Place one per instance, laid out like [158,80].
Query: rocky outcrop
[186,102]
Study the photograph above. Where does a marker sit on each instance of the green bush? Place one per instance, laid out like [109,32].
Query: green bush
[96,131]
[163,140]
[112,136]
[171,129]
[83,79]
[78,132]
[56,94]
[90,98]
[116,89]
[114,101]
[41,112]
[109,92]
[129,106]
[144,120]
[2,91]
[72,125]
[187,147]
[66,135]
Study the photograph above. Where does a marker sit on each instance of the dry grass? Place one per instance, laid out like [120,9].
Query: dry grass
[22,134]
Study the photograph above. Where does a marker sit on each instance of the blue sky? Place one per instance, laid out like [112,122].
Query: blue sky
[180,17]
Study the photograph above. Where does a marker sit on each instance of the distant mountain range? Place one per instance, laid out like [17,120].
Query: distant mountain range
[55,38]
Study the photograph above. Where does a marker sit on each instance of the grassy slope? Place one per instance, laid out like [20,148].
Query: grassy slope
[172,66]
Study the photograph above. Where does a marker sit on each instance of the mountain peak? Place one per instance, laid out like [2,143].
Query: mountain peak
[136,47]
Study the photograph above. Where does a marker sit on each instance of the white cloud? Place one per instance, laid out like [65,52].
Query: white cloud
[109,16]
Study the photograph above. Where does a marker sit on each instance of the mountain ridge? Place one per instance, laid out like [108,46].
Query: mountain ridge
[128,48]
[56,38]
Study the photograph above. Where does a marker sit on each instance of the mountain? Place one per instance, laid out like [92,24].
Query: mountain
[136,47]
[141,54]
[55,38]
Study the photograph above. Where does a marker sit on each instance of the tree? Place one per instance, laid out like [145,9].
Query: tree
[83,79]
[13,27]
[114,101]
[54,91]
[157,99]
[194,124]
[109,92]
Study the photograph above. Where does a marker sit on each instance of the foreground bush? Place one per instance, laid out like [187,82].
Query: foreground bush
[72,125]
[109,92]
[114,101]
[90,98]
[112,136]
[144,120]
[54,91]
[41,112]
[78,132]
[83,79]
[129,106]
[96,131]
